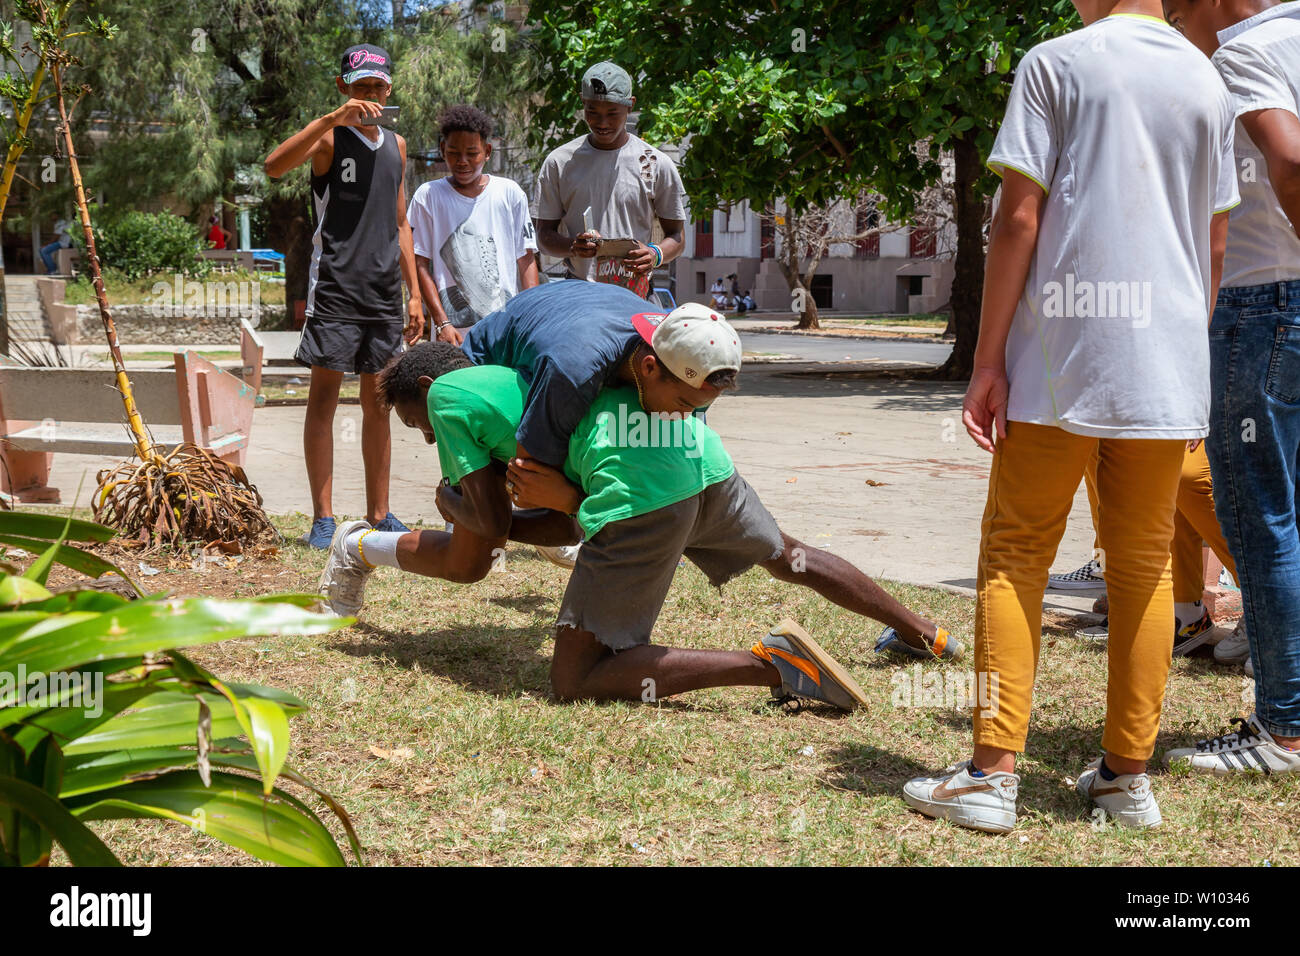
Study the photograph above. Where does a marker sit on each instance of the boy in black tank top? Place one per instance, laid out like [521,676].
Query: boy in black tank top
[361,254]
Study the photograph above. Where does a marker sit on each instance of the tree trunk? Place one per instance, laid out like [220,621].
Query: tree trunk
[968,279]
[808,318]
[290,229]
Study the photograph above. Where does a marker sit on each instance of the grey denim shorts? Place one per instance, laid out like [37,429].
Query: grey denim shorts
[623,574]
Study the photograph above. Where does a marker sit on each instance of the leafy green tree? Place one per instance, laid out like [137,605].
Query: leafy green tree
[811,100]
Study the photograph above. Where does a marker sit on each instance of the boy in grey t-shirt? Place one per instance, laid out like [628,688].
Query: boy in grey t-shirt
[626,183]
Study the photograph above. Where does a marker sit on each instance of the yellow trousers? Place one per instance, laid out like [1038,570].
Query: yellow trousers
[1194,522]
[1036,470]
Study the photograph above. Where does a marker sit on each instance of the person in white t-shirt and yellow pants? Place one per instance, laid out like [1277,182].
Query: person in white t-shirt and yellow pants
[1116,158]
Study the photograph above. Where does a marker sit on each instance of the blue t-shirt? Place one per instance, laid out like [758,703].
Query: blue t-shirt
[567,339]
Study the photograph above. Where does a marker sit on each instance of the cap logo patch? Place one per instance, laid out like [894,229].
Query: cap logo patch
[359,57]
[691,373]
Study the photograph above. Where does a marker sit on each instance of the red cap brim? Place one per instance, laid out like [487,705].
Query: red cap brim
[646,322]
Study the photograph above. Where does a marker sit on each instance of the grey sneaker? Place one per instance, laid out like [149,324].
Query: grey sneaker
[343,582]
[1248,749]
[807,671]
[1234,648]
[1088,576]
[1127,799]
[981,803]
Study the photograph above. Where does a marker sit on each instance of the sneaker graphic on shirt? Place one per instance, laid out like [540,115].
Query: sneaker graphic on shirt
[1248,749]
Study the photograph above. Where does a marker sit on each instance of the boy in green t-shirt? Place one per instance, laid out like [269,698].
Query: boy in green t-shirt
[646,490]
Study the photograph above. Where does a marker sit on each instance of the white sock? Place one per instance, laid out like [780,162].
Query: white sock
[380,547]
[1187,612]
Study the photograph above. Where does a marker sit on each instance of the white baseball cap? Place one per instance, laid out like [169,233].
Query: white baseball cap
[692,341]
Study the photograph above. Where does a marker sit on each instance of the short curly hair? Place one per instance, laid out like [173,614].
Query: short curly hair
[400,379]
[464,118]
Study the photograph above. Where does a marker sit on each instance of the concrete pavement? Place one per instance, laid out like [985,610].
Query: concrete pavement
[876,470]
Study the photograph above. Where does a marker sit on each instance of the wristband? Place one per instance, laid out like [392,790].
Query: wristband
[439,328]
[659,255]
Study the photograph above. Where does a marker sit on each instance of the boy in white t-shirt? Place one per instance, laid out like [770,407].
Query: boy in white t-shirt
[1254,443]
[1115,156]
[474,239]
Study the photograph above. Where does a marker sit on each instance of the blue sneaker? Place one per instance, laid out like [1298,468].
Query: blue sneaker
[320,535]
[390,523]
[945,647]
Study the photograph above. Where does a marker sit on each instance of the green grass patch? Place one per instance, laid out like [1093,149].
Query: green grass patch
[150,356]
[431,720]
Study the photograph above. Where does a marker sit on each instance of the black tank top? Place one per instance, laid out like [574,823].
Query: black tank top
[355,272]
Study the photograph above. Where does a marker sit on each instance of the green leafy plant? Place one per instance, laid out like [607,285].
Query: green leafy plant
[102,718]
[142,243]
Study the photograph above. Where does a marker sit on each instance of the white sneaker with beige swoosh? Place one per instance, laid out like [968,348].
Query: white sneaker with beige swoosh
[980,803]
[1127,799]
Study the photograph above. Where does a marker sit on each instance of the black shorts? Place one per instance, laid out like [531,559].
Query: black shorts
[349,345]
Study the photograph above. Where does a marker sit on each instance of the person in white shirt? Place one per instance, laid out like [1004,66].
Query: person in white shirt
[474,240]
[1116,164]
[1254,443]
[609,184]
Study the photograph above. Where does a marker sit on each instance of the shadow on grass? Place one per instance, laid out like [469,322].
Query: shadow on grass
[503,661]
[526,603]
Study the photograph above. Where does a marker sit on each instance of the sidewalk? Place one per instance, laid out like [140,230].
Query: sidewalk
[807,436]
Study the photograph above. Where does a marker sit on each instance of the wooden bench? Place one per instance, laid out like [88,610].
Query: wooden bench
[75,411]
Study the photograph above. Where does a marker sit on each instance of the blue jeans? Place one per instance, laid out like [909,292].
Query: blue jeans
[47,256]
[1253,448]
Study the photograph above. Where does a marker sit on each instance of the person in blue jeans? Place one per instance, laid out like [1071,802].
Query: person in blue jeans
[1254,443]
[62,240]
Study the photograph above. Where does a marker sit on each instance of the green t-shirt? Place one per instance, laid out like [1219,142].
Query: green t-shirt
[627,461]
[475,413]
[630,462]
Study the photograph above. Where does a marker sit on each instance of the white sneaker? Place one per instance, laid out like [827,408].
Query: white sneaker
[981,803]
[343,582]
[1235,647]
[1127,799]
[1250,749]
[1088,576]
[565,555]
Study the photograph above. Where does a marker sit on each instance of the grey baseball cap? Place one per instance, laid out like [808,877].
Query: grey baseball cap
[609,82]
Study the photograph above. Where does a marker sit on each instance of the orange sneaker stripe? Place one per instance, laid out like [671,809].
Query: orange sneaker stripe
[808,667]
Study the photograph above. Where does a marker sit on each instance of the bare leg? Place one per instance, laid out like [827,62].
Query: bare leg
[838,581]
[318,438]
[585,669]
[376,449]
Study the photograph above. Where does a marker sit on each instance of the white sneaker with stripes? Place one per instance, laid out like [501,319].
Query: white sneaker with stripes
[1248,749]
